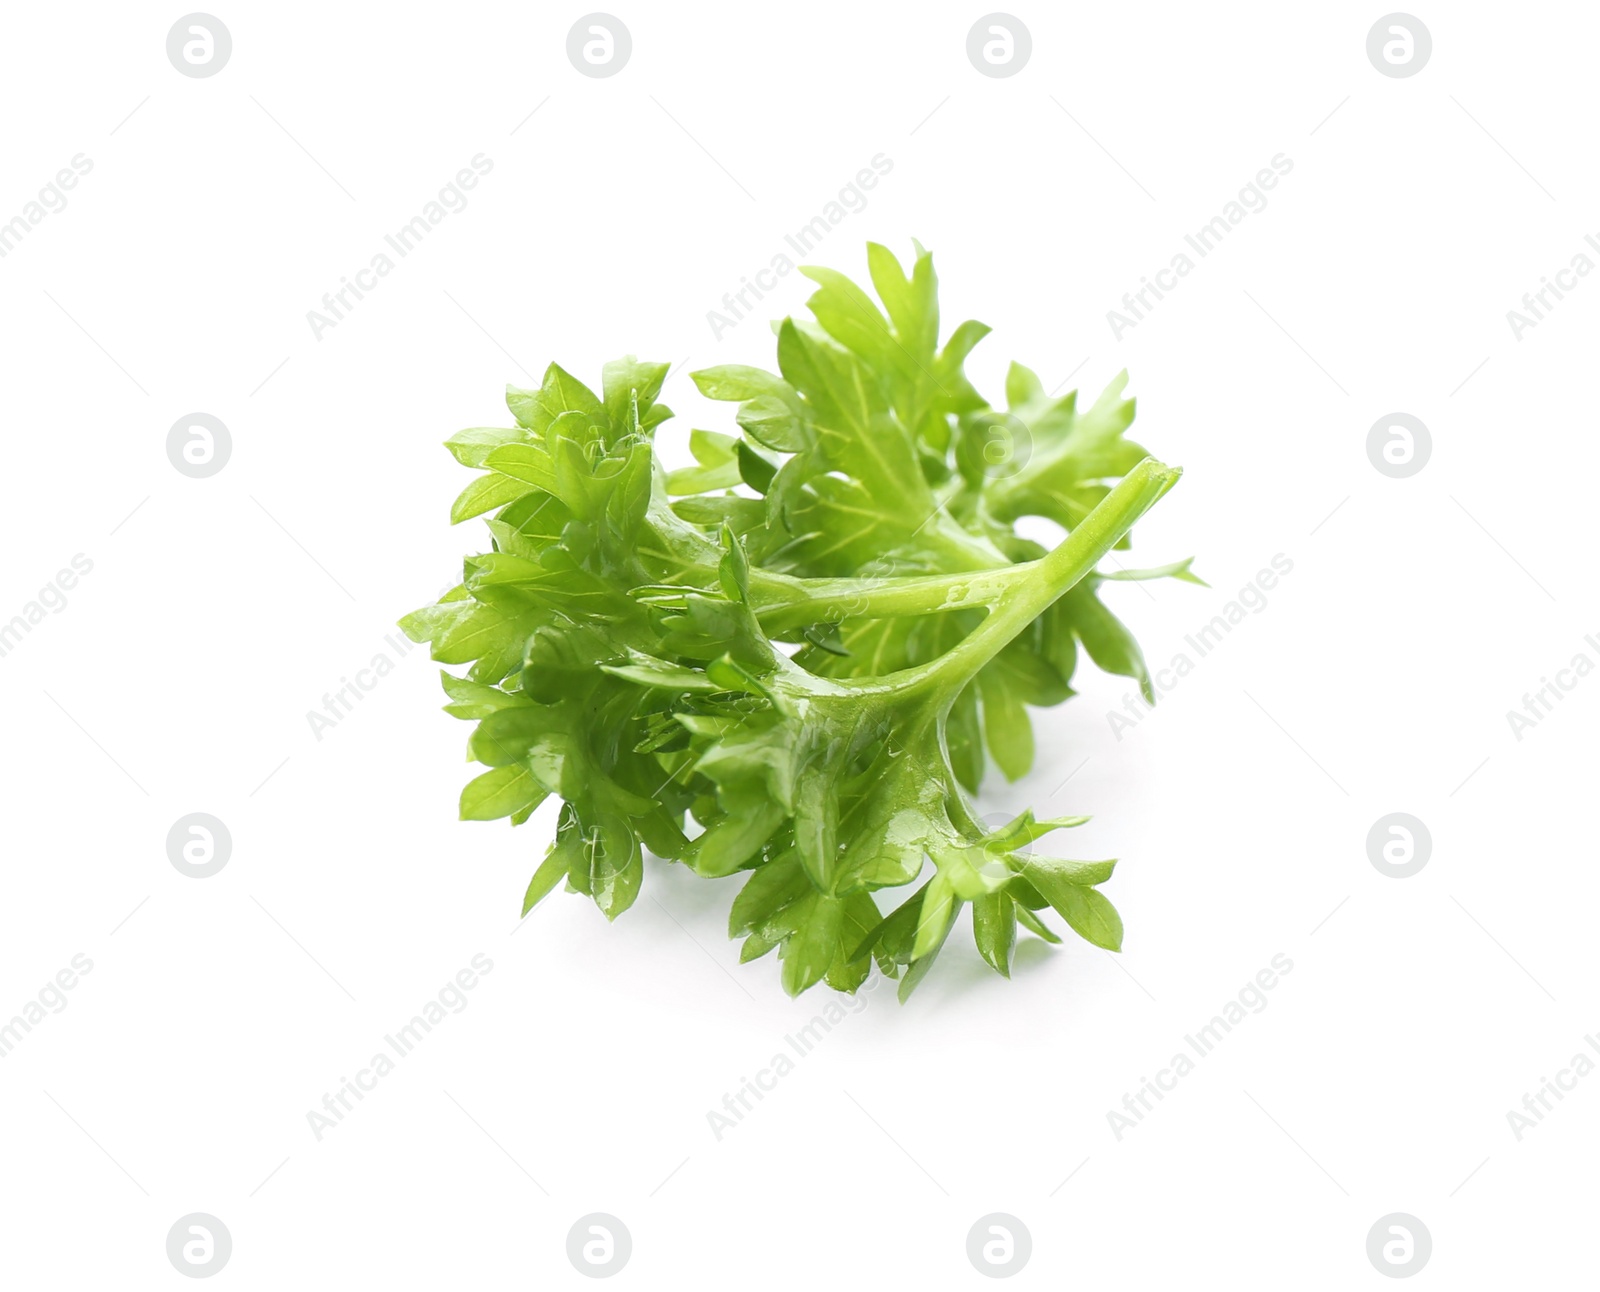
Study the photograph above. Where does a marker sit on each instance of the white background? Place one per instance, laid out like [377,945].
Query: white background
[178,677]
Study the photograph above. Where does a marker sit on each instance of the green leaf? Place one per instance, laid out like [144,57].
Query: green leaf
[994,928]
[1034,924]
[733,840]
[1023,386]
[733,570]
[485,636]
[552,870]
[472,446]
[485,494]
[735,381]
[1005,727]
[920,967]
[501,791]
[896,932]
[939,906]
[627,384]
[1174,570]
[474,700]
[754,948]
[511,735]
[1045,873]
[718,469]
[1109,643]
[742,514]
[615,861]
[562,393]
[647,671]
[811,949]
[603,857]
[851,318]
[912,303]
[1088,913]
[776,422]
[858,918]
[754,469]
[769,889]
[529,464]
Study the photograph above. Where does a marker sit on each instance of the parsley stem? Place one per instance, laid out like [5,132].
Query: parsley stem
[1032,588]
[783,602]
[799,602]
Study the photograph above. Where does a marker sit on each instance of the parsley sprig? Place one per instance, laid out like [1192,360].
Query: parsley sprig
[788,661]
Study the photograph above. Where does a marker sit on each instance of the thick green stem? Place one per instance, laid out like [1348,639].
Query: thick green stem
[684,558]
[783,603]
[1045,580]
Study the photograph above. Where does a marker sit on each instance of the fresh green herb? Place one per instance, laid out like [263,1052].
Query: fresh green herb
[804,644]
